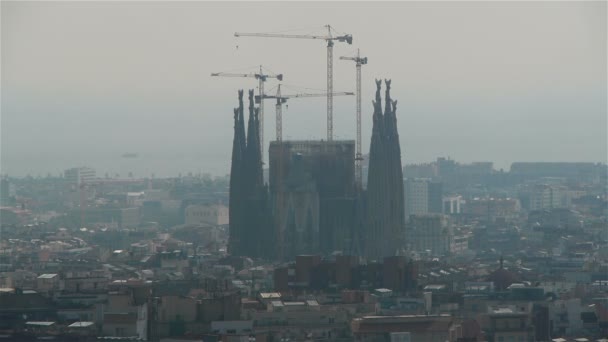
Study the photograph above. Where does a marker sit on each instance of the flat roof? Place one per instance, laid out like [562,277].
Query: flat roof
[267,295]
[39,323]
[80,324]
[503,310]
[312,302]
[47,276]
[402,316]
[294,303]
[434,287]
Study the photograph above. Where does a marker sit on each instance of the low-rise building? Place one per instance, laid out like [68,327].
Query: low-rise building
[430,232]
[428,328]
[215,215]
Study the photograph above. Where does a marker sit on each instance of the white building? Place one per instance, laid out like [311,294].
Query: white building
[422,195]
[544,196]
[215,215]
[156,195]
[452,205]
[77,175]
[135,199]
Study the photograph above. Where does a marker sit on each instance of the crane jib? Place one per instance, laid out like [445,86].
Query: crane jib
[347,38]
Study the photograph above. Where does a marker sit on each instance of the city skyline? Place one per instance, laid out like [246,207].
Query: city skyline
[526,87]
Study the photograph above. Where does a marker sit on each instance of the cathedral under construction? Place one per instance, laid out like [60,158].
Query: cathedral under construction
[312,203]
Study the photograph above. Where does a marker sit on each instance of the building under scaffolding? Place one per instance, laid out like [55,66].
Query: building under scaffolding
[311,204]
[312,188]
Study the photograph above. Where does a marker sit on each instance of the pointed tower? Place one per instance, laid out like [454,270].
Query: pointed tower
[236,180]
[384,197]
[242,122]
[394,171]
[253,212]
[375,183]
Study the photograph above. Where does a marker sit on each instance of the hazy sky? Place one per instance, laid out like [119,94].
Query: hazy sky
[85,82]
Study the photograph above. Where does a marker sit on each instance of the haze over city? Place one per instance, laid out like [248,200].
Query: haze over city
[85,82]
[198,171]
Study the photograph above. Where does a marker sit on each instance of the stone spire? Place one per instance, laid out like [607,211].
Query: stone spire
[252,140]
[395,171]
[385,217]
[249,210]
[376,182]
[242,122]
[387,106]
[236,178]
[259,177]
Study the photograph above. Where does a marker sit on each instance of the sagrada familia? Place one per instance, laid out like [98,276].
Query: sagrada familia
[249,211]
[312,204]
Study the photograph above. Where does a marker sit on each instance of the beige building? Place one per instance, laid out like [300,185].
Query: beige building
[299,320]
[126,312]
[215,215]
[428,328]
[78,175]
[509,324]
[49,282]
[429,232]
[543,196]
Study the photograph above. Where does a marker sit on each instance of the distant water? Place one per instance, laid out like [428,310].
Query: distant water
[145,165]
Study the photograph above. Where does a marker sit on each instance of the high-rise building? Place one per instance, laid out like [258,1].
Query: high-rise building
[586,172]
[77,175]
[544,196]
[422,195]
[452,205]
[313,195]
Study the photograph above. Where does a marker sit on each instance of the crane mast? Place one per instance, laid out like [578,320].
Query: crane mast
[262,78]
[261,81]
[279,116]
[330,88]
[358,155]
[330,44]
[283,98]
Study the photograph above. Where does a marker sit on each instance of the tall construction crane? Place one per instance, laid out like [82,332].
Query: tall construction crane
[330,60]
[358,156]
[282,99]
[261,77]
